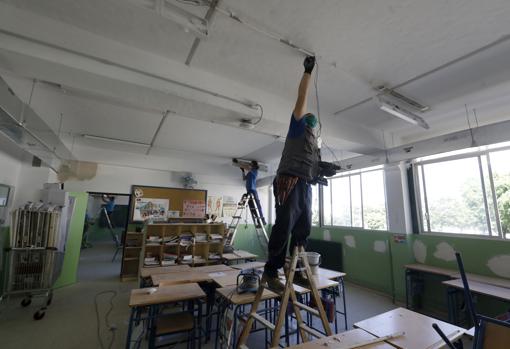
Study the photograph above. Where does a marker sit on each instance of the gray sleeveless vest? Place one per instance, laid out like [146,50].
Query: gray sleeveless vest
[300,156]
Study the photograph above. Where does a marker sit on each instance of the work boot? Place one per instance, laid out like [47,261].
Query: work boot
[274,283]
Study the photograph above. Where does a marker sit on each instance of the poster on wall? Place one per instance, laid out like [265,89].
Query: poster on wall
[193,208]
[215,205]
[229,206]
[149,208]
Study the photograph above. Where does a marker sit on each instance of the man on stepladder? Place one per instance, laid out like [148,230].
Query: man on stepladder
[251,185]
[292,189]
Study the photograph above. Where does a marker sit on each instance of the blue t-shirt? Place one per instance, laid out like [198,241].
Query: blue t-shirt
[251,180]
[110,206]
[296,128]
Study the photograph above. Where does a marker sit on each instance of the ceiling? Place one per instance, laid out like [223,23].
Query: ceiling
[112,68]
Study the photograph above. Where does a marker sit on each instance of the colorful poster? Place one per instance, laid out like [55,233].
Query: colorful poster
[229,206]
[148,208]
[193,208]
[215,205]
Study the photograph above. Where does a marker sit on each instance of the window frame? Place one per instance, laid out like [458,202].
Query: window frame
[419,164]
[349,174]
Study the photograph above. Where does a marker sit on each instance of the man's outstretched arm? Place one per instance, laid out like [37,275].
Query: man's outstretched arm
[302,99]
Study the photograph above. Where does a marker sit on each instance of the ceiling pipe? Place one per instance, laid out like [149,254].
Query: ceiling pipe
[246,103]
[163,119]
[490,45]
[208,17]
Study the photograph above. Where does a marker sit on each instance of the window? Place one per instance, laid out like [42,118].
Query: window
[356,199]
[465,192]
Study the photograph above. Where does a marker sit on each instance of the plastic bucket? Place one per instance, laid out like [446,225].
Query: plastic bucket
[314,259]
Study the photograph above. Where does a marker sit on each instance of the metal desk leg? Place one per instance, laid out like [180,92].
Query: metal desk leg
[130,328]
[451,294]
[408,286]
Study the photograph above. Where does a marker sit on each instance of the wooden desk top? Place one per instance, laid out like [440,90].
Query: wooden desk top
[165,294]
[238,254]
[249,265]
[228,278]
[231,294]
[212,268]
[485,280]
[342,340]
[330,274]
[432,270]
[320,282]
[418,330]
[180,278]
[481,288]
[148,272]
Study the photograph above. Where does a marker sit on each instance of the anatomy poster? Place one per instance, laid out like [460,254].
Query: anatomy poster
[215,205]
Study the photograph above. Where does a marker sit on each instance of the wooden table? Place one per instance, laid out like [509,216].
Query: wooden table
[180,278]
[418,330]
[238,255]
[146,272]
[454,286]
[141,298]
[343,340]
[485,279]
[226,278]
[416,268]
[249,265]
[212,268]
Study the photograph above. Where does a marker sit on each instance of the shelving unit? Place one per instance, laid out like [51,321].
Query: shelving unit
[188,243]
[133,245]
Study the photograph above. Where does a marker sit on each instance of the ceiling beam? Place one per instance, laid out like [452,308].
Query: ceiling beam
[208,17]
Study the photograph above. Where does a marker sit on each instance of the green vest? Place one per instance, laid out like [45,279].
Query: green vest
[300,156]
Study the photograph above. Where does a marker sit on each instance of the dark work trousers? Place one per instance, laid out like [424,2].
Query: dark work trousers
[293,217]
[257,201]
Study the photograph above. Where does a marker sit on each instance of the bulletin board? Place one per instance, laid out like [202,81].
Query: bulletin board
[176,197]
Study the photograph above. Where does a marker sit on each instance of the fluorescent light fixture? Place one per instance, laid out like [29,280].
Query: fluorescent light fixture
[187,20]
[115,140]
[401,113]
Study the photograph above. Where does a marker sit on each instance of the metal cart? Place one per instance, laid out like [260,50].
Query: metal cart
[33,272]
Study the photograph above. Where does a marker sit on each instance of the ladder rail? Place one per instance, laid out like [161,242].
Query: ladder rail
[305,331]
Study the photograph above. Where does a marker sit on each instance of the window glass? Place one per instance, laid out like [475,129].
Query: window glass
[326,193]
[356,211]
[341,197]
[374,200]
[500,165]
[315,205]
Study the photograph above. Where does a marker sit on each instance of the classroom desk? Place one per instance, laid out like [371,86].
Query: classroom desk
[485,279]
[418,330]
[146,272]
[212,268]
[343,340]
[141,298]
[197,274]
[225,279]
[456,286]
[249,265]
[413,270]
[238,255]
[228,298]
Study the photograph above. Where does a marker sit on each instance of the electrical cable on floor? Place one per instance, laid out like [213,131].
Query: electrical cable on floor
[110,327]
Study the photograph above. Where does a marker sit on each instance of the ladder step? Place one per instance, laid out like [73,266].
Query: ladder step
[310,330]
[263,321]
[307,308]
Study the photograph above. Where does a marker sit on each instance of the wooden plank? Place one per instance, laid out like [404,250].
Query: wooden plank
[431,269]
[418,330]
[233,297]
[481,288]
[165,294]
[249,265]
[348,339]
[485,280]
[148,272]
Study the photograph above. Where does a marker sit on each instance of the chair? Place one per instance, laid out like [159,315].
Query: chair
[167,325]
[490,333]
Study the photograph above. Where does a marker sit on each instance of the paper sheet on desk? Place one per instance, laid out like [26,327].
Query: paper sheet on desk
[218,274]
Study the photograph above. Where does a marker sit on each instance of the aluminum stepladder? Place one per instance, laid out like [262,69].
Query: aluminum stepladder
[304,330]
[247,199]
[115,237]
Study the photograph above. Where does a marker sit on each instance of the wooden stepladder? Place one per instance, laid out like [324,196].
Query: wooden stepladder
[304,330]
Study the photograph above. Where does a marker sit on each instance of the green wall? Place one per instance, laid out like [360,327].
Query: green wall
[246,239]
[69,271]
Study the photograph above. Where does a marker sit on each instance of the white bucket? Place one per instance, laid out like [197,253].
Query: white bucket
[314,259]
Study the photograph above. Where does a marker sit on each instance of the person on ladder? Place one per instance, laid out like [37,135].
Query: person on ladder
[110,207]
[292,189]
[251,185]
